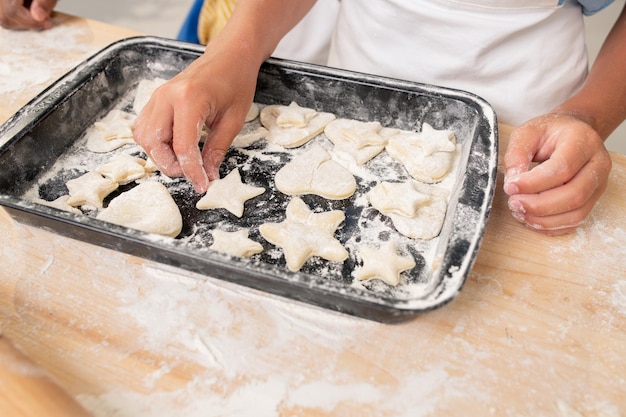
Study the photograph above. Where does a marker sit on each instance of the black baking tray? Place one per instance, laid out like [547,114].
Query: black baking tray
[40,134]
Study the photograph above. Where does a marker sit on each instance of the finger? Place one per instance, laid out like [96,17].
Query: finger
[153,133]
[523,144]
[16,16]
[41,10]
[218,141]
[187,132]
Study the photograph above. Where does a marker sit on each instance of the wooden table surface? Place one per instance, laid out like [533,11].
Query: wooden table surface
[539,329]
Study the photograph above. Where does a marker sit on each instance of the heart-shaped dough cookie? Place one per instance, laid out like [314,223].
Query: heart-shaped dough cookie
[315,172]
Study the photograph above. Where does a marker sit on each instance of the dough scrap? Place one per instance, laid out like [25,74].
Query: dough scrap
[253,113]
[124,168]
[383,263]
[90,189]
[111,132]
[292,126]
[246,138]
[148,207]
[315,172]
[427,155]
[416,210]
[60,203]
[304,234]
[229,193]
[145,88]
[360,140]
[235,243]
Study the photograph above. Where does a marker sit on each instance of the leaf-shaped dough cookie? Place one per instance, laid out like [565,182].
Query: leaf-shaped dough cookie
[315,172]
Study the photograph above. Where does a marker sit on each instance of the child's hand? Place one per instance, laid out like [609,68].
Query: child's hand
[555,196]
[212,92]
[25,14]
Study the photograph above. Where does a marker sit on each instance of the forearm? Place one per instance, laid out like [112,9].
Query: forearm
[257,26]
[601,102]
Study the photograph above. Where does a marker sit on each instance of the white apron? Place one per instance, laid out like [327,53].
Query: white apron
[523,56]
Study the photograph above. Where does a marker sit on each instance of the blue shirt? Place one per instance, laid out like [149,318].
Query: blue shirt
[591,6]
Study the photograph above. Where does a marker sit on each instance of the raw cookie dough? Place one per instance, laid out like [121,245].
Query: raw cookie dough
[60,203]
[235,243]
[111,132]
[144,92]
[384,263]
[361,141]
[125,169]
[416,210]
[427,155]
[292,126]
[148,207]
[253,113]
[89,189]
[315,172]
[229,193]
[304,234]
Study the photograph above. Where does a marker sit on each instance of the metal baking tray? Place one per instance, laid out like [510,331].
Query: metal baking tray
[39,140]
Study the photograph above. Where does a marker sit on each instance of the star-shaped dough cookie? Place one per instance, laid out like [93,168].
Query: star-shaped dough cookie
[437,140]
[360,140]
[235,243]
[292,126]
[89,189]
[123,168]
[384,263]
[304,234]
[417,210]
[111,132]
[60,203]
[229,193]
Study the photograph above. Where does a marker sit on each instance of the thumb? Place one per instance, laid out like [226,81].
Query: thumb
[519,155]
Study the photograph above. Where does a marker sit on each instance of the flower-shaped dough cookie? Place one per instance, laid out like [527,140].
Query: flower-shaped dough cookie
[235,243]
[292,126]
[304,234]
[383,263]
[229,193]
[90,189]
[315,172]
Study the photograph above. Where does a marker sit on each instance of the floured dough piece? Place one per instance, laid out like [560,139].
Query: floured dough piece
[148,207]
[235,243]
[416,210]
[427,155]
[253,113]
[89,189]
[125,169]
[247,137]
[360,140]
[384,263]
[315,172]
[60,203]
[304,234]
[111,132]
[144,92]
[292,126]
[229,193]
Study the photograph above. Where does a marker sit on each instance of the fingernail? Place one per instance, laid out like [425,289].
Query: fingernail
[516,206]
[510,187]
